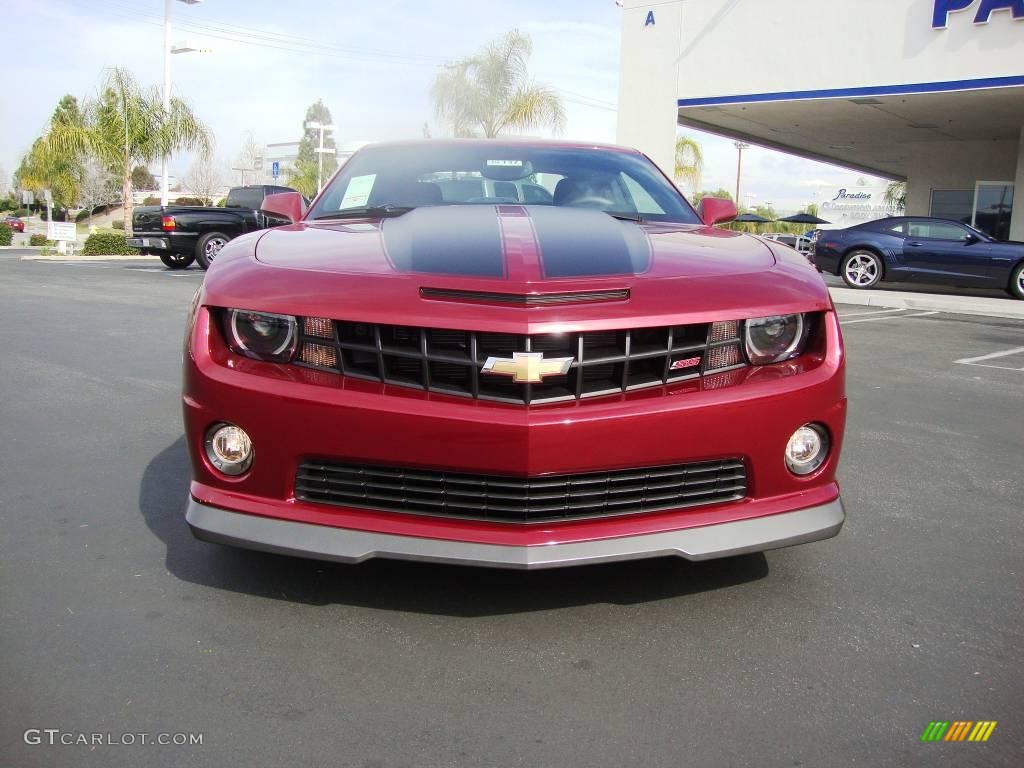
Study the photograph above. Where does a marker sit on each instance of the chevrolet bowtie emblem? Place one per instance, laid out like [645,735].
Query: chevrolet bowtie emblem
[527,367]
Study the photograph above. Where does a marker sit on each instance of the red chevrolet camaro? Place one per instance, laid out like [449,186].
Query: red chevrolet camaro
[511,354]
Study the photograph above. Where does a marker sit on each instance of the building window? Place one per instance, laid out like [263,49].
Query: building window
[993,205]
[955,204]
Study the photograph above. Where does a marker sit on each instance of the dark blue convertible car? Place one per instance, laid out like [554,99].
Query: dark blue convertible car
[911,248]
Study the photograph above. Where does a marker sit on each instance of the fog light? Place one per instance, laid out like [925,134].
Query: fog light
[807,449]
[229,449]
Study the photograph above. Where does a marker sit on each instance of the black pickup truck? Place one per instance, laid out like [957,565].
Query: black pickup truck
[181,234]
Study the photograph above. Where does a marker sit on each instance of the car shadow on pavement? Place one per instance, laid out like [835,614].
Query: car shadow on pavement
[403,586]
[929,288]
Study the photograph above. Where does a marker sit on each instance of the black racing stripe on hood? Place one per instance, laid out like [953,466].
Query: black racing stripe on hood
[577,242]
[446,240]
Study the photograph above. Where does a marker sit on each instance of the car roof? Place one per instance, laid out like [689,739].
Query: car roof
[898,219]
[504,141]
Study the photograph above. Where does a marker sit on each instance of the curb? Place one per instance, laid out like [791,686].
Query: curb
[959,305]
[76,257]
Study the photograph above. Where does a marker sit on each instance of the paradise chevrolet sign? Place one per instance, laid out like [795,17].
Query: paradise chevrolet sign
[846,206]
[940,15]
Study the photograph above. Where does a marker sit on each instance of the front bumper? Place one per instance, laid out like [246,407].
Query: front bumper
[293,414]
[288,537]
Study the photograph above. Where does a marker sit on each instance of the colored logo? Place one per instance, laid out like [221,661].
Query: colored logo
[942,9]
[844,195]
[958,730]
[686,362]
[527,367]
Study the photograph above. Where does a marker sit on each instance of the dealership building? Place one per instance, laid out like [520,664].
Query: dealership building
[926,91]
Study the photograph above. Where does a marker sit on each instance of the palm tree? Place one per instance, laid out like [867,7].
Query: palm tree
[896,196]
[491,92]
[303,177]
[689,162]
[62,174]
[128,126]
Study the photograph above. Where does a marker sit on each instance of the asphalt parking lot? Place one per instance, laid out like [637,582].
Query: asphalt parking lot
[837,653]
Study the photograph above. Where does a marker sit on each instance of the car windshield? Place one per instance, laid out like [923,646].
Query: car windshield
[399,177]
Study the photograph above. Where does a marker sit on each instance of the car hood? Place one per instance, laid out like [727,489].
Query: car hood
[506,244]
[520,269]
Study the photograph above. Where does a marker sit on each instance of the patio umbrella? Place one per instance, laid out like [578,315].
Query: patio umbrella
[751,218]
[804,218]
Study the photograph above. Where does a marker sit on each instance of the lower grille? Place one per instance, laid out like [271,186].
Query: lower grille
[521,500]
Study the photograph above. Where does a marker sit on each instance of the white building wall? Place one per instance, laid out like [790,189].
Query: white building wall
[719,48]
[1017,222]
[956,165]
[647,84]
[787,45]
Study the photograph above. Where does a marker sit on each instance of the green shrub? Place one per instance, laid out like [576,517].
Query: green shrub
[8,203]
[59,214]
[6,234]
[117,223]
[21,212]
[107,244]
[38,240]
[151,201]
[191,201]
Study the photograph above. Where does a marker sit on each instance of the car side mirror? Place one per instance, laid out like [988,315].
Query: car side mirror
[284,205]
[969,238]
[715,210]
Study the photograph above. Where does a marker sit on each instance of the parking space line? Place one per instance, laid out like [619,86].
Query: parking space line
[992,356]
[887,317]
[876,312]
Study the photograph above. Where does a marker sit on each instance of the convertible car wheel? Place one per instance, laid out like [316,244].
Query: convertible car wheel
[861,269]
[208,247]
[177,260]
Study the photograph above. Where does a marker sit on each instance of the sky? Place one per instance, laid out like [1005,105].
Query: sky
[263,63]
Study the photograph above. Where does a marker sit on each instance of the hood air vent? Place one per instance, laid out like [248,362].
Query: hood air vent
[524,299]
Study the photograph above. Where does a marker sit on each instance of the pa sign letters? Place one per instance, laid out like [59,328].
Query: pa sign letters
[940,16]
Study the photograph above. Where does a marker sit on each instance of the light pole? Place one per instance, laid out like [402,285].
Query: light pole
[168,50]
[740,146]
[321,150]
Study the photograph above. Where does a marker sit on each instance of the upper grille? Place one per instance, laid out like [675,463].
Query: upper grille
[449,361]
[521,500]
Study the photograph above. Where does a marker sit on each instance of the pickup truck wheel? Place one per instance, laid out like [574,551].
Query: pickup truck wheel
[177,260]
[208,247]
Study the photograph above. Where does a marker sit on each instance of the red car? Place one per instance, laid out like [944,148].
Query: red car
[14,223]
[426,369]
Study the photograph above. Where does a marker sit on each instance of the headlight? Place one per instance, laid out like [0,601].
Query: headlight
[262,335]
[774,339]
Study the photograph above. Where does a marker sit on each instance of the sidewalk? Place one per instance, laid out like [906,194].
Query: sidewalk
[957,304]
[52,255]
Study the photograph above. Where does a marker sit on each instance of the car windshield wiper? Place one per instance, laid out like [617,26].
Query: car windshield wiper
[367,210]
[623,216]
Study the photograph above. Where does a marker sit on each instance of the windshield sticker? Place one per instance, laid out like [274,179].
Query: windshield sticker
[506,163]
[358,191]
